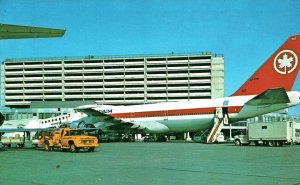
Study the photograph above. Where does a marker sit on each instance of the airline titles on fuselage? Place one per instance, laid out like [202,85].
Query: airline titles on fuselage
[105,111]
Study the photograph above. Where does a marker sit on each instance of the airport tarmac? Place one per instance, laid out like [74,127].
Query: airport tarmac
[153,163]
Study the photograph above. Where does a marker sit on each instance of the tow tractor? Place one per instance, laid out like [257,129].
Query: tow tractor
[67,139]
[39,138]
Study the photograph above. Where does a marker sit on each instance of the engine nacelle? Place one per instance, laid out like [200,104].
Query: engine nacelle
[89,122]
[77,124]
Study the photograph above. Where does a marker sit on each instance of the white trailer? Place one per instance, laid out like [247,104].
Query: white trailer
[9,141]
[17,140]
[267,133]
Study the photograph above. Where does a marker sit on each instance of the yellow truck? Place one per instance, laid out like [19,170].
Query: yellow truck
[68,140]
[39,138]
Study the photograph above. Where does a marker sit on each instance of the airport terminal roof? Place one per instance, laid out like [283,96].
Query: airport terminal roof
[107,57]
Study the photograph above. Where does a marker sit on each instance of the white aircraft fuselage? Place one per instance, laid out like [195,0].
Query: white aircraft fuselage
[194,115]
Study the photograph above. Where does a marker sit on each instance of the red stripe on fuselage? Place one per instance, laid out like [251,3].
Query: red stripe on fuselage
[177,112]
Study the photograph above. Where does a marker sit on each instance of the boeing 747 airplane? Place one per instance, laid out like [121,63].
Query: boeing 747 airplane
[267,90]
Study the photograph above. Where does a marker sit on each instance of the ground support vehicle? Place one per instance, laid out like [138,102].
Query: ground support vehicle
[9,141]
[267,133]
[34,142]
[39,138]
[149,138]
[155,138]
[68,140]
[220,138]
[128,138]
[110,137]
[201,138]
[296,133]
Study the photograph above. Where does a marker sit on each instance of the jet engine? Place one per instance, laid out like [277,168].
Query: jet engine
[81,123]
[77,124]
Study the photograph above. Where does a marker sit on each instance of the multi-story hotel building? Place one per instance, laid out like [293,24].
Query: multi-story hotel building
[117,80]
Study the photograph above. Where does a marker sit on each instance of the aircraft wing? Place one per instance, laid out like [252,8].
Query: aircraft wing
[138,126]
[8,31]
[104,117]
[270,96]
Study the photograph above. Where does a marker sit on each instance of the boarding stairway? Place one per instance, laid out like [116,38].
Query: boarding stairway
[219,121]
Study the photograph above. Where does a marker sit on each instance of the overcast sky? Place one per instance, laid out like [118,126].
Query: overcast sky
[245,32]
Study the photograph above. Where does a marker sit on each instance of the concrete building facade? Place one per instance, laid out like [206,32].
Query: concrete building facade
[68,81]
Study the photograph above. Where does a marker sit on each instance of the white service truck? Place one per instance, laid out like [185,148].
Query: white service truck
[297,133]
[267,133]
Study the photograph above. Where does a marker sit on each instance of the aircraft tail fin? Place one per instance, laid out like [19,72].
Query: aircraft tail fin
[279,71]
